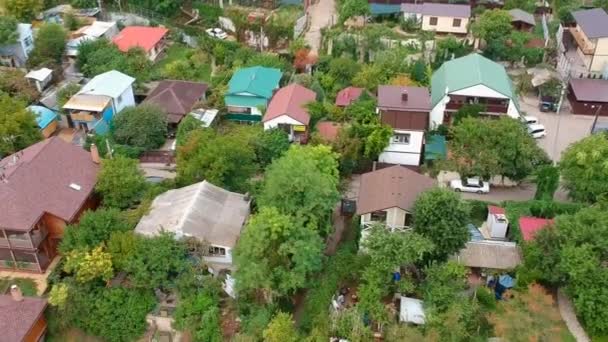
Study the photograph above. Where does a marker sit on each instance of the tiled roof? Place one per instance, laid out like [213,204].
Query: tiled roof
[529,226]
[290,101]
[176,98]
[18,318]
[145,37]
[590,90]
[37,180]
[395,186]
[348,95]
[328,130]
[390,97]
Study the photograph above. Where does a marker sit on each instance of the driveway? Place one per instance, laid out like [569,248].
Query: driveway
[322,14]
[562,129]
[522,192]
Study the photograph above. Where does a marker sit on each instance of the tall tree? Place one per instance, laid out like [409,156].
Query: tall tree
[547,182]
[120,182]
[492,25]
[270,145]
[486,148]
[144,126]
[584,170]
[275,254]
[222,159]
[14,83]
[89,265]
[387,252]
[18,128]
[93,228]
[8,30]
[352,8]
[441,216]
[49,45]
[303,183]
[24,10]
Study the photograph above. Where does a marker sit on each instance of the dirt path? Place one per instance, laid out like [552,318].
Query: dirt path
[567,311]
[322,14]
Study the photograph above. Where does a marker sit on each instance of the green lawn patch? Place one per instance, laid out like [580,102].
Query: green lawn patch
[28,286]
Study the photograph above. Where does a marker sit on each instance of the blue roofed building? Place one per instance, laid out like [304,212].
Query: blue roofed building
[94,106]
[249,91]
[46,119]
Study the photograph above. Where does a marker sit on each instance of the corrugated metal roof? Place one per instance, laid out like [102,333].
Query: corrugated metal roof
[89,103]
[202,210]
[594,22]
[590,90]
[521,15]
[111,83]
[258,80]
[291,101]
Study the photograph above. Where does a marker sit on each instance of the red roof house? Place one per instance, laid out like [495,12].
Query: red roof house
[529,226]
[42,189]
[287,110]
[348,95]
[328,130]
[22,318]
[150,39]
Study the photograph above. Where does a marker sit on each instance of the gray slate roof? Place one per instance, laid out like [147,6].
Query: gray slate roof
[523,16]
[594,22]
[201,210]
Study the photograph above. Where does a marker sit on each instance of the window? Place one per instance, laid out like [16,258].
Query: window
[119,99]
[378,216]
[217,251]
[433,21]
[27,41]
[401,138]
[456,22]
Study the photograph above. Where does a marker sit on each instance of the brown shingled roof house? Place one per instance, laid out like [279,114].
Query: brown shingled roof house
[22,318]
[177,98]
[387,196]
[42,189]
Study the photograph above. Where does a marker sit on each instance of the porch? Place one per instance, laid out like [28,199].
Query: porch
[296,133]
[24,261]
[24,240]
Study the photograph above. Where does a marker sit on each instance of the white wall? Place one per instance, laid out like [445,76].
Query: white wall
[283,119]
[404,154]
[395,217]
[444,24]
[512,111]
[479,90]
[127,100]
[227,259]
[436,117]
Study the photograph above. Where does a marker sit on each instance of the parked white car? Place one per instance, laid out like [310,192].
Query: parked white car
[470,185]
[537,131]
[217,33]
[529,120]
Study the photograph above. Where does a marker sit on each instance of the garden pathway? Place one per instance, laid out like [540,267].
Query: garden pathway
[322,14]
[567,311]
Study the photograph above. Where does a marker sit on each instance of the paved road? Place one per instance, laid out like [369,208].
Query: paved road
[562,129]
[522,192]
[322,14]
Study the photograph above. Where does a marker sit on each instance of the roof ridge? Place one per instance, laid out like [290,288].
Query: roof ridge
[176,98]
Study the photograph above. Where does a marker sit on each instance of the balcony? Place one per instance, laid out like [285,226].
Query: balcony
[22,240]
[490,108]
[83,116]
[581,40]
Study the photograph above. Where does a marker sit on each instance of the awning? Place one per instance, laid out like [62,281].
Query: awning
[435,148]
[384,9]
[243,117]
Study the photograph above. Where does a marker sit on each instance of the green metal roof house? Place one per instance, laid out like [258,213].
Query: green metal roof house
[248,90]
[471,79]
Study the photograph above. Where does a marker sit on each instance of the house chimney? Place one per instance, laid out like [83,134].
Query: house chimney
[404,96]
[16,293]
[95,154]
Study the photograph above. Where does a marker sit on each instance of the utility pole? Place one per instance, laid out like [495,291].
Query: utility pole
[597,114]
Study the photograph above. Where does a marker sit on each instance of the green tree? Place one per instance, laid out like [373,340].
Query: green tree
[370,77]
[584,170]
[350,324]
[49,45]
[387,252]
[156,262]
[98,56]
[441,216]
[492,25]
[24,10]
[468,111]
[547,182]
[14,83]
[526,5]
[120,182]
[89,265]
[352,8]
[444,285]
[281,329]
[8,30]
[303,183]
[222,159]
[116,314]
[185,127]
[487,148]
[93,228]
[144,126]
[270,145]
[18,128]
[275,254]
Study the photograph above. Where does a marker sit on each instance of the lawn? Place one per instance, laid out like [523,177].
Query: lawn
[184,63]
[28,286]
